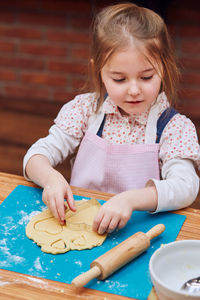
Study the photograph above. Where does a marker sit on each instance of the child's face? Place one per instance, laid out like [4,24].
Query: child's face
[131,81]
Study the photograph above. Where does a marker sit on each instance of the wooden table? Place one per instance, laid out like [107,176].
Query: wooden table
[17,286]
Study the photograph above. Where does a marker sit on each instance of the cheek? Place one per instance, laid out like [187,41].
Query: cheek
[112,88]
[154,88]
[116,92]
[158,83]
[113,94]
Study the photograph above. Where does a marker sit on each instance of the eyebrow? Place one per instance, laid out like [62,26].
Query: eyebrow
[120,73]
[147,70]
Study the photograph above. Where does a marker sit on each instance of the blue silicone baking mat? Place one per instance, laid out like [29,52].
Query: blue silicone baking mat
[20,254]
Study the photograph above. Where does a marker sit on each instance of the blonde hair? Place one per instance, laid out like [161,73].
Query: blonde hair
[115,27]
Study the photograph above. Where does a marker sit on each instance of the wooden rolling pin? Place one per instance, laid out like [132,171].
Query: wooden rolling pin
[118,256]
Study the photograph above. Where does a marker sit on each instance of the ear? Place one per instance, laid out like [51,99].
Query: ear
[91,65]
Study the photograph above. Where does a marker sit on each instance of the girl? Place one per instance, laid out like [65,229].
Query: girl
[132,143]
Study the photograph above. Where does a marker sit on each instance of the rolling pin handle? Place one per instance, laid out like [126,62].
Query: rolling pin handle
[86,277]
[155,231]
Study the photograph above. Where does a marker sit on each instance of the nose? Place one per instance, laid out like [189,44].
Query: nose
[134,89]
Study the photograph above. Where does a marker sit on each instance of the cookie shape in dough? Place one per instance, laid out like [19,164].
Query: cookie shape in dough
[77,233]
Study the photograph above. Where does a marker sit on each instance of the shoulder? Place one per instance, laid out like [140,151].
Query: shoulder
[179,140]
[81,102]
[181,124]
[74,115]
[81,106]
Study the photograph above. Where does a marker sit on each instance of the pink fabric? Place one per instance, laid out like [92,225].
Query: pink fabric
[112,168]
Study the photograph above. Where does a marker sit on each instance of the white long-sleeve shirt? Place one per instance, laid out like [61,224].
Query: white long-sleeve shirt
[179,149]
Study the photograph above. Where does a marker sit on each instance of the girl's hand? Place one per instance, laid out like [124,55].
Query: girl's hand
[56,189]
[116,212]
[113,214]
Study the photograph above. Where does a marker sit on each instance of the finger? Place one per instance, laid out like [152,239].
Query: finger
[60,208]
[45,198]
[52,207]
[104,224]
[97,220]
[122,223]
[113,224]
[70,199]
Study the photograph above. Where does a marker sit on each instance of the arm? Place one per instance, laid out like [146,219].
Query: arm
[178,189]
[38,167]
[55,187]
[70,126]
[116,212]
[180,153]
[56,146]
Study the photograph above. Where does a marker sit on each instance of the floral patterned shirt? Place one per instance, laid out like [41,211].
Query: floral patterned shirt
[179,138]
[179,148]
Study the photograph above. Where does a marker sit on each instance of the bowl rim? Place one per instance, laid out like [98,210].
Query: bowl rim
[156,278]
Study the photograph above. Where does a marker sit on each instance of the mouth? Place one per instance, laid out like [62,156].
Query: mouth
[134,102]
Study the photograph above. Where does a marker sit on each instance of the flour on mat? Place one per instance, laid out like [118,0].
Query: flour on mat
[4,263]
[9,257]
[9,225]
[112,285]
[38,265]
[25,218]
[79,263]
[114,241]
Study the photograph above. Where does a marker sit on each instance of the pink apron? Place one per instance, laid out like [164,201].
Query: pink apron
[100,165]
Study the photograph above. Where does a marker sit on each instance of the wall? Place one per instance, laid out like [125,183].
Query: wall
[184,24]
[43,64]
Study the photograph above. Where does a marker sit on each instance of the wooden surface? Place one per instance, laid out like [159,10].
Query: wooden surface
[17,286]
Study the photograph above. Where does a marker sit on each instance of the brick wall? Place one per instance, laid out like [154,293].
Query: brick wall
[44,47]
[43,63]
[184,24]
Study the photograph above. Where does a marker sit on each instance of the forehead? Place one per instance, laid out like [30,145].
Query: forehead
[135,54]
[130,57]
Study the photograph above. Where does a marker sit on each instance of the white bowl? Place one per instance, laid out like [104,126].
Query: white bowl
[173,264]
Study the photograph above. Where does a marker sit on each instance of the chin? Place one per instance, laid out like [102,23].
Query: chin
[135,112]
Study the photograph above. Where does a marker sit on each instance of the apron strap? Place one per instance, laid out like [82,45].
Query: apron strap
[151,128]
[163,120]
[100,130]
[96,122]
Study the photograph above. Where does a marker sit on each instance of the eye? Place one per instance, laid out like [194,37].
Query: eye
[147,77]
[119,80]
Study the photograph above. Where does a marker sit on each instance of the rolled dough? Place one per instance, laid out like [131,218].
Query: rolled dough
[77,233]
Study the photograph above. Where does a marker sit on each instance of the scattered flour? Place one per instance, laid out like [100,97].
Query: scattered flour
[9,219]
[115,285]
[10,258]
[8,225]
[25,218]
[2,283]
[114,241]
[79,263]
[33,281]
[38,282]
[38,265]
